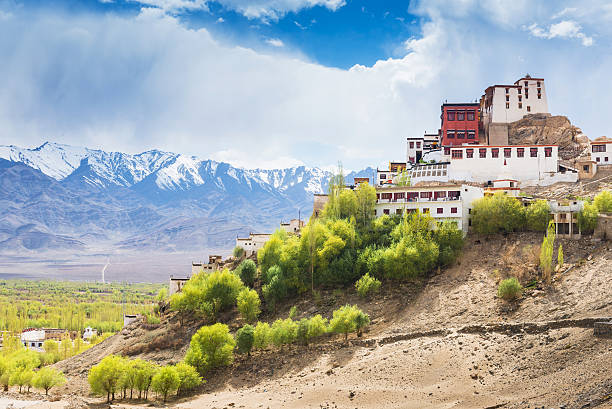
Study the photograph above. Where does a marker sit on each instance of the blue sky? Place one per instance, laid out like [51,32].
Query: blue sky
[274,83]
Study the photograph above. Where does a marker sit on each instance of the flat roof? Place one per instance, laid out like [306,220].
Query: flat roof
[461,104]
[417,187]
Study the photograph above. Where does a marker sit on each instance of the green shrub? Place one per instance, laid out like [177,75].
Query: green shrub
[249,305]
[247,271]
[238,252]
[165,381]
[560,256]
[317,326]
[497,214]
[283,332]
[211,347]
[537,215]
[603,201]
[245,337]
[262,335]
[188,376]
[367,285]
[302,331]
[587,218]
[293,312]
[276,289]
[509,289]
[348,319]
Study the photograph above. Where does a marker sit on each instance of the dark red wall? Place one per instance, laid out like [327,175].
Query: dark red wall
[456,125]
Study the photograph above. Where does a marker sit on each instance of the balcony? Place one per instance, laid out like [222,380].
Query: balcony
[419,199]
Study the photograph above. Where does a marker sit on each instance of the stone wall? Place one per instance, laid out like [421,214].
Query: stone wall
[603,231]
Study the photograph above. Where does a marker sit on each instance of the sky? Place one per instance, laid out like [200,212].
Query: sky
[280,83]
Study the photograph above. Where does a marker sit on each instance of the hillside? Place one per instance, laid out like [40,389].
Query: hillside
[445,341]
[539,129]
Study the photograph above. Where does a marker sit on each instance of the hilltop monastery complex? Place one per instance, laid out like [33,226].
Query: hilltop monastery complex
[470,156]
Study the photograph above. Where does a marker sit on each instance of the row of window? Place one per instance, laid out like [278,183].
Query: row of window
[599,159]
[418,145]
[599,148]
[439,210]
[451,133]
[482,152]
[461,115]
[454,194]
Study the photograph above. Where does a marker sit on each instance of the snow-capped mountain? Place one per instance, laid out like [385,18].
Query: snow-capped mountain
[61,196]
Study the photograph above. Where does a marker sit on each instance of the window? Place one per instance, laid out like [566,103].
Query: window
[539,96]
[520,98]
[447,151]
[482,152]
[469,153]
[457,154]
[606,159]
[538,84]
[471,115]
[495,152]
[533,152]
[597,159]
[451,115]
[439,210]
[418,145]
[471,134]
[528,108]
[520,152]
[374,212]
[460,134]
[386,196]
[411,145]
[411,159]
[425,211]
[453,210]
[519,90]
[507,91]
[425,195]
[398,211]
[507,152]
[460,115]
[507,98]
[520,105]
[526,84]
[385,211]
[599,148]
[507,105]
[585,168]
[548,152]
[383,176]
[450,134]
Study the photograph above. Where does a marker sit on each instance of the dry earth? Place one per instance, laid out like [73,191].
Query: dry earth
[449,344]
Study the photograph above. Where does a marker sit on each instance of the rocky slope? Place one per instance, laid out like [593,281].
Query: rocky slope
[549,130]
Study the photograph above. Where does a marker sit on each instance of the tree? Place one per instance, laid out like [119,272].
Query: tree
[361,321]
[283,332]
[188,376]
[21,377]
[144,375]
[345,320]
[211,347]
[317,326]
[276,289]
[165,381]
[65,346]
[245,338]
[587,218]
[51,347]
[497,214]
[128,378]
[162,295]
[247,271]
[261,335]
[367,285]
[560,257]
[104,377]
[249,305]
[537,215]
[546,252]
[46,378]
[366,201]
[603,201]
[302,331]
[238,252]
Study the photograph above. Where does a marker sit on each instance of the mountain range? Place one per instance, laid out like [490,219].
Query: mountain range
[62,197]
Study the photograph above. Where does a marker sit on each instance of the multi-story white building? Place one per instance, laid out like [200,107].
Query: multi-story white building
[388,176]
[503,104]
[601,151]
[253,243]
[444,202]
[294,226]
[416,147]
[531,165]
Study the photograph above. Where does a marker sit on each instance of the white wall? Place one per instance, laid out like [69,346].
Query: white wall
[529,102]
[600,157]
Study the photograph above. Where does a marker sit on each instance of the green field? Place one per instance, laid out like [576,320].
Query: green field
[72,305]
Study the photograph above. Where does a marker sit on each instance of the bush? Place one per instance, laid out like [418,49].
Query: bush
[603,201]
[238,252]
[211,347]
[245,337]
[165,381]
[587,218]
[283,332]
[537,215]
[276,289]
[367,285]
[509,289]
[302,331]
[348,319]
[262,335]
[293,312]
[248,305]
[317,326]
[247,271]
[104,377]
[46,378]
[497,214]
[188,376]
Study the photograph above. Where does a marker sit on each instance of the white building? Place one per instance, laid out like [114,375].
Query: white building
[33,339]
[531,165]
[176,284]
[436,172]
[416,147]
[601,151]
[445,202]
[253,243]
[503,104]
[294,226]
[508,186]
[388,176]
[88,333]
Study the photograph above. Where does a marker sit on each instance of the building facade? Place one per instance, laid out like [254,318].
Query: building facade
[601,151]
[503,104]
[253,243]
[416,147]
[459,123]
[294,226]
[444,202]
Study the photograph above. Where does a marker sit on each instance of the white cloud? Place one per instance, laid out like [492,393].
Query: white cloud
[245,160]
[220,20]
[175,5]
[563,29]
[275,9]
[275,42]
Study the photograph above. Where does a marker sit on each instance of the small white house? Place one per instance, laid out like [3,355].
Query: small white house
[88,333]
[601,151]
[33,339]
[253,243]
[294,226]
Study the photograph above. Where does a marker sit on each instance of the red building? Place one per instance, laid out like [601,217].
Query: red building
[459,123]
